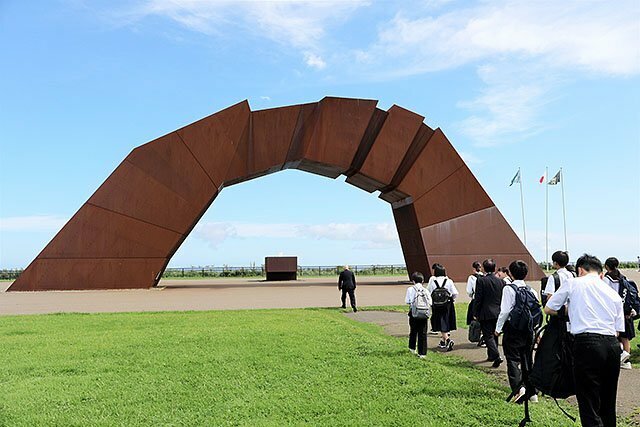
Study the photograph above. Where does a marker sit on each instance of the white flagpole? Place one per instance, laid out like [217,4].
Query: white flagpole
[564,212]
[546,209]
[524,227]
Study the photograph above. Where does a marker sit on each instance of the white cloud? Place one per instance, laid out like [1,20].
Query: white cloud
[369,235]
[470,158]
[32,223]
[314,61]
[299,24]
[523,50]
[265,98]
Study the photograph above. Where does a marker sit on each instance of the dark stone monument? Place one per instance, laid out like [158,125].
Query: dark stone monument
[281,267]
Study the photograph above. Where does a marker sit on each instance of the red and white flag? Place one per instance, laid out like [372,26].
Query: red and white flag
[542,178]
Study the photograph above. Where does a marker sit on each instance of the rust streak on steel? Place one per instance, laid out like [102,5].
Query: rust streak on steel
[126,233]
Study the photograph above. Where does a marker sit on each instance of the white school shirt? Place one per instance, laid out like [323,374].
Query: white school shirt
[471,286]
[448,286]
[593,306]
[507,280]
[508,301]
[613,284]
[564,275]
[411,293]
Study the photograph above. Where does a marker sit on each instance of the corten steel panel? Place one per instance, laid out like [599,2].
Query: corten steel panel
[459,194]
[389,148]
[305,124]
[281,264]
[124,237]
[76,274]
[215,139]
[413,247]
[169,161]
[477,236]
[340,127]
[160,205]
[273,131]
[94,232]
[433,165]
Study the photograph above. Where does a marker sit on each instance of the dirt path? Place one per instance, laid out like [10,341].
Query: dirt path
[395,324]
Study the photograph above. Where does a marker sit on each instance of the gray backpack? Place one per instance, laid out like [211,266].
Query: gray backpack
[420,307]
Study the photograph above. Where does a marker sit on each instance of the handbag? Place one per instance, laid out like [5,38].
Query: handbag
[475,332]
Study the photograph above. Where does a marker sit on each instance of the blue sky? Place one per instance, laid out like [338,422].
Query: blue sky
[512,84]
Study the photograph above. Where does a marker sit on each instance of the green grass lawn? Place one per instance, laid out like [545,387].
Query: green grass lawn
[251,367]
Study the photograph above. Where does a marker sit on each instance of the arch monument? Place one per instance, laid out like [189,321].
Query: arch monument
[128,230]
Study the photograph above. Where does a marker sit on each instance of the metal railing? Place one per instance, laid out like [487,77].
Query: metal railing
[303,270]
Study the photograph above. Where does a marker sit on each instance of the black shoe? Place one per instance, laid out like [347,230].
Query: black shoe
[497,362]
[450,345]
[343,306]
[355,310]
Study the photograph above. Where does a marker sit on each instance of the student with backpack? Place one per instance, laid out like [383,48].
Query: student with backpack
[443,315]
[520,314]
[471,287]
[561,275]
[596,317]
[419,301]
[503,273]
[629,294]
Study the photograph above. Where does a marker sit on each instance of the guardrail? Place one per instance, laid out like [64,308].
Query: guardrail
[303,270]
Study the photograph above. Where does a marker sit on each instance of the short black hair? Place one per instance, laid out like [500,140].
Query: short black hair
[612,263]
[476,265]
[489,265]
[560,257]
[589,263]
[438,270]
[417,277]
[504,270]
[518,269]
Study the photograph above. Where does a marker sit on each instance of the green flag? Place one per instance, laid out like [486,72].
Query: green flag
[516,178]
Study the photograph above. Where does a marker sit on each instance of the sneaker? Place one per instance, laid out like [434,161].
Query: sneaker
[422,356]
[413,350]
[342,306]
[482,344]
[432,332]
[625,365]
[624,357]
[355,310]
[450,345]
[496,363]
[518,398]
[442,344]
[534,398]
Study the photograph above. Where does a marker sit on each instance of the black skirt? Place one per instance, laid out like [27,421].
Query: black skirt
[629,331]
[443,318]
[470,312]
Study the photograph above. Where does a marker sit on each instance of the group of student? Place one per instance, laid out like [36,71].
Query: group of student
[589,327]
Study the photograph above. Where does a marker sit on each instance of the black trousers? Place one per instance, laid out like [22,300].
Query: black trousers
[418,332]
[352,297]
[517,351]
[596,368]
[488,333]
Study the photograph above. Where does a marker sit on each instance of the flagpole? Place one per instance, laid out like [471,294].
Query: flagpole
[546,222]
[564,212]
[524,227]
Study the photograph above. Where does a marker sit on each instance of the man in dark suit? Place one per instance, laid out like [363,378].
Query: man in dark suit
[487,308]
[347,284]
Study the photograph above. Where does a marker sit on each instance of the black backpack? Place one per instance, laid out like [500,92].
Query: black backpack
[526,314]
[440,296]
[628,291]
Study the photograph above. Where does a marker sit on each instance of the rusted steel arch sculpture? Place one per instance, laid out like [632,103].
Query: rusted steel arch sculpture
[126,233]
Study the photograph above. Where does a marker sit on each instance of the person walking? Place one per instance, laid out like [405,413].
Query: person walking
[347,284]
[559,277]
[517,343]
[487,308]
[596,317]
[615,279]
[443,294]
[417,322]
[503,273]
